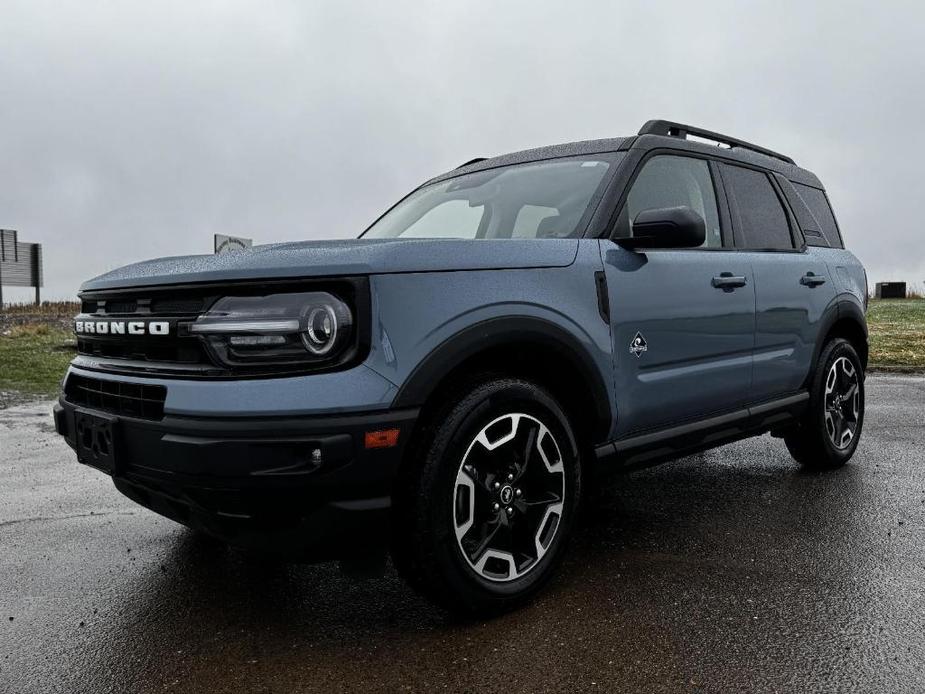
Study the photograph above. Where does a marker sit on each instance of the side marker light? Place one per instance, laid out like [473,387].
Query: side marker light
[387,438]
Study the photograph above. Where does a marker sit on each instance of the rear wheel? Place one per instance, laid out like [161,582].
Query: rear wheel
[483,514]
[830,430]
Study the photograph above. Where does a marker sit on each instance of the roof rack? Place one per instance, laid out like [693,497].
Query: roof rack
[669,129]
[471,161]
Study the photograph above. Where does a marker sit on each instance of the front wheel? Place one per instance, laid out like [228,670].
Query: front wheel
[483,514]
[829,432]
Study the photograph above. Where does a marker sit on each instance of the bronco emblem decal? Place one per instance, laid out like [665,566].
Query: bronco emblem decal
[638,345]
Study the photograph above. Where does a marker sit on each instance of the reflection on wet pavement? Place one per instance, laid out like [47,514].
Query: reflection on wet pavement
[728,570]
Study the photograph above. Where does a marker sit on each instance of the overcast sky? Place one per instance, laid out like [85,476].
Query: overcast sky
[134,130]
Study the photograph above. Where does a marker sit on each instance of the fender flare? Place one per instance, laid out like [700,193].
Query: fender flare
[494,333]
[844,307]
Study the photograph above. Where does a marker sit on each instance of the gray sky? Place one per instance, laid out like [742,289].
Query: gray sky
[133,130]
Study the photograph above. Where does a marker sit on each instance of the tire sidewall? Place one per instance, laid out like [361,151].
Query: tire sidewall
[453,438]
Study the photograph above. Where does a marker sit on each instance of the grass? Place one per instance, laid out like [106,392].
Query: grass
[897,333]
[34,354]
[51,309]
[34,357]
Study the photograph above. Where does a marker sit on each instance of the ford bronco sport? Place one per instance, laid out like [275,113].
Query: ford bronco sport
[446,384]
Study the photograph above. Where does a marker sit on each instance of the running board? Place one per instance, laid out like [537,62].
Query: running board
[643,450]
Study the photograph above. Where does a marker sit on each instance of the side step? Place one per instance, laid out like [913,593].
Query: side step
[644,450]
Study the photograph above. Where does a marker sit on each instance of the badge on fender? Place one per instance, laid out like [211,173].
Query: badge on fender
[638,345]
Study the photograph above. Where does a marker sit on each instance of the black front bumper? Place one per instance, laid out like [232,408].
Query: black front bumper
[302,486]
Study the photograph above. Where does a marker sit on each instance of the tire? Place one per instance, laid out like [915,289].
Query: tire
[499,461]
[828,433]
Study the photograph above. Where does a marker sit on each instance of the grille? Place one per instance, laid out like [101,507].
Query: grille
[172,306]
[129,306]
[178,348]
[142,305]
[117,397]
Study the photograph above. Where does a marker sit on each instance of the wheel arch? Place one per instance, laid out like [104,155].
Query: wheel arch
[844,318]
[529,347]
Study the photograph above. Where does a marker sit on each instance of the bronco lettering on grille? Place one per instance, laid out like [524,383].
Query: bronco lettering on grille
[132,327]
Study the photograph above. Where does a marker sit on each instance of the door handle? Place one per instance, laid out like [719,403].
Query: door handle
[726,280]
[812,280]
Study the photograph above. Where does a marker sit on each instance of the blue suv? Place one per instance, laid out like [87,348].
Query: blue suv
[449,384]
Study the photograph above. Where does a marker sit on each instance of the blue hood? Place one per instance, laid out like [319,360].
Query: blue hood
[348,257]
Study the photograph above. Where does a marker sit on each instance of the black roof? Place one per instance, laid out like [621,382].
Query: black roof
[568,149]
[654,134]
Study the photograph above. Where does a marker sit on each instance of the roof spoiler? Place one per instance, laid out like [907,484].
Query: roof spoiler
[667,128]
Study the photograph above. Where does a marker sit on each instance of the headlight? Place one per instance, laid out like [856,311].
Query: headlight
[276,330]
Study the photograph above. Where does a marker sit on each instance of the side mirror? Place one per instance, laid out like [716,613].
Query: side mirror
[666,227]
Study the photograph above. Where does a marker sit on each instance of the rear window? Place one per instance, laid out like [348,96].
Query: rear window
[762,221]
[818,204]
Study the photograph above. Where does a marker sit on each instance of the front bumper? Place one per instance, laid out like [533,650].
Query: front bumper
[303,486]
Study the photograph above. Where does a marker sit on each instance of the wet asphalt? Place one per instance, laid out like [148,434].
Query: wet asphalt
[727,571]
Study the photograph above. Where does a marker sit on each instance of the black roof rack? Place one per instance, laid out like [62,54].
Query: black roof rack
[669,129]
[472,161]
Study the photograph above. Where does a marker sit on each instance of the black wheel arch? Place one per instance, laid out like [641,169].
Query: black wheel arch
[522,346]
[845,318]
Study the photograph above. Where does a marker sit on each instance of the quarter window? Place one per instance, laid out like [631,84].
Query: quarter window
[818,204]
[762,221]
[671,181]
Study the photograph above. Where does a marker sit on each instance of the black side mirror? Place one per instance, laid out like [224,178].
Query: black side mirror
[666,227]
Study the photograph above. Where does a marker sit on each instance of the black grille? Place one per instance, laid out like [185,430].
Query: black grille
[180,350]
[127,306]
[117,397]
[179,347]
[161,306]
[174,306]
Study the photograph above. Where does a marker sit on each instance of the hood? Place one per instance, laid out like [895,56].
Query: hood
[338,258]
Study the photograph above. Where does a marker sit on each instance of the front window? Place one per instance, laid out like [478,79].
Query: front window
[547,199]
[673,181]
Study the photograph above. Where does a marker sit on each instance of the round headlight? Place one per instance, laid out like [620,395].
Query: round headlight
[320,330]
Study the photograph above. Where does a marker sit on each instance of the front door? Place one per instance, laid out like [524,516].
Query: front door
[682,320]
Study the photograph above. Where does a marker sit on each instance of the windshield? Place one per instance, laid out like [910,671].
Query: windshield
[545,199]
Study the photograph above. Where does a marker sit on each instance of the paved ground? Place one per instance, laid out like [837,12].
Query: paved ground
[730,571]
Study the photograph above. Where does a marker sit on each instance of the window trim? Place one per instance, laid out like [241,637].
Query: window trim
[825,194]
[797,237]
[722,206]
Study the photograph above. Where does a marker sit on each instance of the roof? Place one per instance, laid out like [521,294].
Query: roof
[652,135]
[568,149]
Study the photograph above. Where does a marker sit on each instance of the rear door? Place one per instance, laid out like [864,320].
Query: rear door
[682,345]
[792,287]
